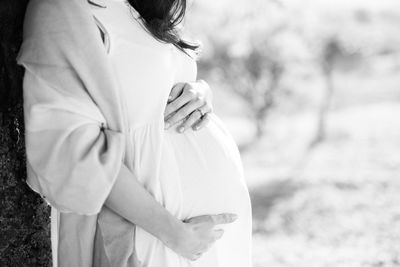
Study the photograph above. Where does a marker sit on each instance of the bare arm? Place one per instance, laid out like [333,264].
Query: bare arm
[132,201]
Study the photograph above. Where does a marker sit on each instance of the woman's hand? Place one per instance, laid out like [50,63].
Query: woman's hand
[190,105]
[199,234]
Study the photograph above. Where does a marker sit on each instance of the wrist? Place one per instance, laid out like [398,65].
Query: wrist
[173,232]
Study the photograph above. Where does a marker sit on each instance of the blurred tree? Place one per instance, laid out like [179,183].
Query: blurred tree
[254,77]
[337,45]
[247,56]
[263,49]
[24,217]
[331,50]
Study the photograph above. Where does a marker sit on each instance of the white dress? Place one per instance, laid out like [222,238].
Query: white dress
[190,174]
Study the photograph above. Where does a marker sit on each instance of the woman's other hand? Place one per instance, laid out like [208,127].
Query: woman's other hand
[188,104]
[199,234]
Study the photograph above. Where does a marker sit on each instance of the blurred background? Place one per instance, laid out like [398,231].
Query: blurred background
[310,89]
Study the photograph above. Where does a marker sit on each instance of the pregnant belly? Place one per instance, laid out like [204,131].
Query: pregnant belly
[209,172]
[191,174]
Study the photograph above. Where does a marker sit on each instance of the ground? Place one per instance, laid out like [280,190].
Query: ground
[334,205]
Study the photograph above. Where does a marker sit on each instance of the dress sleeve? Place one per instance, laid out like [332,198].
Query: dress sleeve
[73,159]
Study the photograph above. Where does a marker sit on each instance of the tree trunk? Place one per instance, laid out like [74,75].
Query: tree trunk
[24,217]
[320,133]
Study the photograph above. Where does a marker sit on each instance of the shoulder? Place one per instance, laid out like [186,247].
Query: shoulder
[57,30]
[55,16]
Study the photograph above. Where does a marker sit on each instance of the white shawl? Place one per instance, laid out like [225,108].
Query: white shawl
[74,124]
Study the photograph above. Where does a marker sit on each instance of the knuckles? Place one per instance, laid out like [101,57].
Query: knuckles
[195,115]
[199,100]
[171,107]
[191,93]
[194,258]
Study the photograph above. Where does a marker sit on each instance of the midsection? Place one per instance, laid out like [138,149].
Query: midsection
[194,173]
[209,172]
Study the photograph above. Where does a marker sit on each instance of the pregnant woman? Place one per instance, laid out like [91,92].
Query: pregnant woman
[137,169]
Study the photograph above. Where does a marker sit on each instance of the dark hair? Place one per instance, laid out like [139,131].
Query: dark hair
[161,18]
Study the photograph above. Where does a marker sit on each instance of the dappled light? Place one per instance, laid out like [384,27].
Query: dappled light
[311,92]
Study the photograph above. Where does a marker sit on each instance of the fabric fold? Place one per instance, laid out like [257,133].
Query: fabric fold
[75,141]
[73,160]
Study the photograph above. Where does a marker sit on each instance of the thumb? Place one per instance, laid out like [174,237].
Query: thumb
[176,91]
[217,234]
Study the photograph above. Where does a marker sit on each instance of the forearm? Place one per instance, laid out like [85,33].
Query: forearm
[132,201]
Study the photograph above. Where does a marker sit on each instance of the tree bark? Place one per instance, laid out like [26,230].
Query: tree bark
[24,217]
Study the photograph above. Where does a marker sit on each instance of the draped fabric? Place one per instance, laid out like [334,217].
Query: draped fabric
[75,127]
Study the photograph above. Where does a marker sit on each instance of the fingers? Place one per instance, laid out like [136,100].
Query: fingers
[198,219]
[223,218]
[203,121]
[187,95]
[203,227]
[205,222]
[176,91]
[216,235]
[195,119]
[187,111]
[195,257]
[184,100]
[191,120]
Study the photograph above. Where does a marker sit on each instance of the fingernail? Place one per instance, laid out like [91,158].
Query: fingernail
[166,125]
[181,129]
[234,217]
[195,128]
